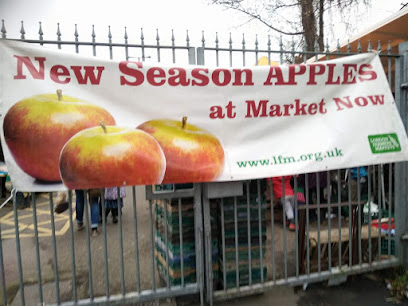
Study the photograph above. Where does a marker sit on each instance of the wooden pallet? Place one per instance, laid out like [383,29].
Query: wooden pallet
[348,246]
[345,244]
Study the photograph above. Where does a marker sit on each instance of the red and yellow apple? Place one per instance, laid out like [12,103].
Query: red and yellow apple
[107,156]
[36,129]
[192,154]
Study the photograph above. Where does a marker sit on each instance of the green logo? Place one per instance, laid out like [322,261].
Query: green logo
[384,143]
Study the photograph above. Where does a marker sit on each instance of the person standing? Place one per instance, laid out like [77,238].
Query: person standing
[111,201]
[79,209]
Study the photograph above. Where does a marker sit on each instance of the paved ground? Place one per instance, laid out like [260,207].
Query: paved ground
[368,289]
[363,290]
[63,242]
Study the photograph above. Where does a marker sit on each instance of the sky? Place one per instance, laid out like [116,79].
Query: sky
[165,15]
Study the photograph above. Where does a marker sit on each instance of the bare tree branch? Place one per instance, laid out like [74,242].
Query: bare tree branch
[236,5]
[307,15]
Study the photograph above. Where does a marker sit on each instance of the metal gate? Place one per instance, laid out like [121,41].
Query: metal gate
[338,231]
[241,243]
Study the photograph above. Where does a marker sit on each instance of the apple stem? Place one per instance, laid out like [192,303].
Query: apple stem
[184,121]
[59,94]
[102,124]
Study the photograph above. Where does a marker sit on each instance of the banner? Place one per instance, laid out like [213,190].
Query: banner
[78,122]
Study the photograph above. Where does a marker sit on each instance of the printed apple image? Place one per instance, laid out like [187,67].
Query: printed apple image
[36,129]
[192,154]
[107,156]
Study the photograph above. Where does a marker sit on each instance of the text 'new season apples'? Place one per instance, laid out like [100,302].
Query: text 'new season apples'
[192,154]
[108,156]
[36,129]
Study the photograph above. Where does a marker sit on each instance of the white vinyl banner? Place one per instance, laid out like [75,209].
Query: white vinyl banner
[78,122]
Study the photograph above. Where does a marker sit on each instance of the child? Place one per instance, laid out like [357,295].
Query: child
[289,201]
[111,201]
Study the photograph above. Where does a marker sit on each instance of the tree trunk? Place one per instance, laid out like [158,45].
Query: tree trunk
[320,39]
[308,23]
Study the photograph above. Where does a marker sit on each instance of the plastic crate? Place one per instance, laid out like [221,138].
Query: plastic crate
[384,246]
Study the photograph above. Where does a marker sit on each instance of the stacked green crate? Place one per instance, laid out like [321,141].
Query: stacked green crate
[229,264]
[171,246]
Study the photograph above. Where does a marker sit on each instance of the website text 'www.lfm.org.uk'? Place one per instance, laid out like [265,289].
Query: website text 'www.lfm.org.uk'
[279,160]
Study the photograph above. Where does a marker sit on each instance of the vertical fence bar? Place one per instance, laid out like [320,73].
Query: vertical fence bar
[292,49]
[243,49]
[230,49]
[401,169]
[260,230]
[208,247]
[329,213]
[71,232]
[285,259]
[3,33]
[40,33]
[122,261]
[380,177]
[88,243]
[110,43]
[319,268]
[37,249]
[142,43]
[369,216]
[54,248]
[2,278]
[126,45]
[224,272]
[249,233]
[105,244]
[236,244]
[58,36]
[180,216]
[18,249]
[272,232]
[389,62]
[76,39]
[22,31]
[158,45]
[198,229]
[217,59]
[136,239]
[339,187]
[389,207]
[152,245]
[256,49]
[350,217]
[307,223]
[166,239]
[360,257]
[93,41]
[295,183]
[173,49]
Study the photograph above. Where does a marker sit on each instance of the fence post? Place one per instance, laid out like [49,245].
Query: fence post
[401,171]
[207,252]
[207,245]
[199,249]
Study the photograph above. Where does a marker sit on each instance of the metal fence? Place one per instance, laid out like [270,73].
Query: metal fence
[215,241]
